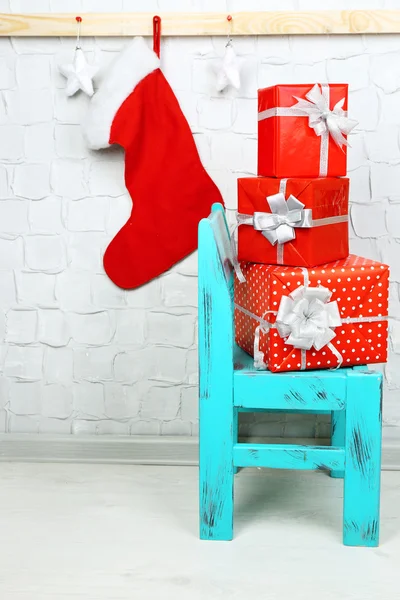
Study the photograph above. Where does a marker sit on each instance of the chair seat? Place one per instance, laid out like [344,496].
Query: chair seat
[311,391]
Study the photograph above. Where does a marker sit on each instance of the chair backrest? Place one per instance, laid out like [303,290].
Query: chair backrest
[215,250]
[215,298]
[222,238]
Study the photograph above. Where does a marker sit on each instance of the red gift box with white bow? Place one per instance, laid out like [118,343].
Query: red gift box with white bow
[302,130]
[296,221]
[293,318]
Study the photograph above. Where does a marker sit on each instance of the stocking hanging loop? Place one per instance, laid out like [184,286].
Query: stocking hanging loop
[156,34]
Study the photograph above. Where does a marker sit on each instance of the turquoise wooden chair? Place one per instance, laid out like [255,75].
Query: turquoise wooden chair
[229,384]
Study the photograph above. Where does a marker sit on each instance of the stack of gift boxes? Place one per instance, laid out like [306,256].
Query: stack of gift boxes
[301,301]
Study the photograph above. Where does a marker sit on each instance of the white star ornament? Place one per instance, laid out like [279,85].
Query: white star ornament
[79,74]
[229,71]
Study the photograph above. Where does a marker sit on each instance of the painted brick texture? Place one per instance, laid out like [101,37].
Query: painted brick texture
[79,355]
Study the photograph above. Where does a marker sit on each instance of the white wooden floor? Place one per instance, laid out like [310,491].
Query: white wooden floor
[99,532]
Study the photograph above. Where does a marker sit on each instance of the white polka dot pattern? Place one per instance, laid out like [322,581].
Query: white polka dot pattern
[360,287]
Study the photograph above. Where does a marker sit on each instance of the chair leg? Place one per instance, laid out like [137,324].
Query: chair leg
[235,432]
[216,476]
[363,459]
[338,426]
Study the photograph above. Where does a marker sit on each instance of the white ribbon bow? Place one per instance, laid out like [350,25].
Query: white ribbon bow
[306,318]
[322,119]
[278,226]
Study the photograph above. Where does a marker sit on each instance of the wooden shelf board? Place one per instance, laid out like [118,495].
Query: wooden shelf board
[193,24]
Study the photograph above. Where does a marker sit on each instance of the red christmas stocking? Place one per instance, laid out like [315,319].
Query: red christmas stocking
[170,190]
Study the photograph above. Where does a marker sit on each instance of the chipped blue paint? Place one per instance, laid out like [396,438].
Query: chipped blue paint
[362,473]
[229,384]
[288,456]
[216,383]
[235,432]
[319,391]
[338,427]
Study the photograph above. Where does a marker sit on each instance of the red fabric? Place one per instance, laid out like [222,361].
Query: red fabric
[169,186]
[326,196]
[358,285]
[287,146]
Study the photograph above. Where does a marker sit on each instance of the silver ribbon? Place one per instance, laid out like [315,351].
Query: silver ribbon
[321,119]
[306,318]
[265,326]
[278,227]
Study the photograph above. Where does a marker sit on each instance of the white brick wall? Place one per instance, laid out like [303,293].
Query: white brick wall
[79,355]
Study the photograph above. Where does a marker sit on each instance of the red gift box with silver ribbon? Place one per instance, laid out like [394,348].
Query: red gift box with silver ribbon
[296,221]
[293,318]
[302,130]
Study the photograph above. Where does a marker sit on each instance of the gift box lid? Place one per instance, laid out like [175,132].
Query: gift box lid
[285,95]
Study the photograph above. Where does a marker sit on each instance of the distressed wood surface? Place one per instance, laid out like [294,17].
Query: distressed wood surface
[288,456]
[235,435]
[192,24]
[306,391]
[363,459]
[338,431]
[216,412]
[278,410]
[229,384]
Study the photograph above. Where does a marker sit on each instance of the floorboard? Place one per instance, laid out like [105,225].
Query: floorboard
[96,532]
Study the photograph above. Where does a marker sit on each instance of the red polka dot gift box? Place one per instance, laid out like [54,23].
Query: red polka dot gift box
[293,318]
[296,221]
[302,130]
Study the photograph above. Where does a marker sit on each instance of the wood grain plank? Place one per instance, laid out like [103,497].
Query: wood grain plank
[288,392]
[338,434]
[193,24]
[288,456]
[363,459]
[216,412]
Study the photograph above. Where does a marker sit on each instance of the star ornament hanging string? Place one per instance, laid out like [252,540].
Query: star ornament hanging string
[228,74]
[79,73]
